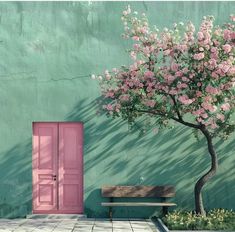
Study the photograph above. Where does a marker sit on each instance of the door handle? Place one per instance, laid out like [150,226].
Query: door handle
[54,177]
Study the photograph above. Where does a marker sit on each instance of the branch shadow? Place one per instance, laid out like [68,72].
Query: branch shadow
[113,155]
[16,181]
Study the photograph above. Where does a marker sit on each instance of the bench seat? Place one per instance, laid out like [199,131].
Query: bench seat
[138,204]
[113,193]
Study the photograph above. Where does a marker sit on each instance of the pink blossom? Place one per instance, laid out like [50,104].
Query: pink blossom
[227,34]
[198,93]
[200,35]
[109,107]
[179,74]
[109,94]
[125,13]
[149,74]
[216,42]
[198,56]
[167,52]
[185,79]
[144,30]
[130,83]
[232,35]
[169,78]
[198,112]
[214,55]
[207,98]
[136,46]
[151,84]
[182,86]
[217,32]
[232,18]
[173,92]
[198,71]
[118,105]
[224,68]
[185,70]
[214,75]
[205,115]
[225,106]
[208,106]
[153,36]
[184,99]
[212,90]
[139,62]
[133,55]
[136,38]
[214,49]
[115,70]
[231,71]
[149,89]
[146,51]
[214,125]
[227,48]
[125,97]
[212,63]
[174,67]
[220,117]
[150,103]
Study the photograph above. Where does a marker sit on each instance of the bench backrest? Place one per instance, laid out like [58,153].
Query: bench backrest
[138,191]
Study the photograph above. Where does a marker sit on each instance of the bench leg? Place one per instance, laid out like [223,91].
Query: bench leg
[110,210]
[164,210]
[110,214]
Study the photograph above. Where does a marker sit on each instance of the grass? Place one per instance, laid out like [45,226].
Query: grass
[217,219]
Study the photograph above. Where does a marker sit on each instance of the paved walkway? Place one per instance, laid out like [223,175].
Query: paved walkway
[74,225]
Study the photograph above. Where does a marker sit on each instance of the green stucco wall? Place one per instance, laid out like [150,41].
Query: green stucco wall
[47,49]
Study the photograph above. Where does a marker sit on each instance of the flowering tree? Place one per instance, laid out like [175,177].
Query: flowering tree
[177,75]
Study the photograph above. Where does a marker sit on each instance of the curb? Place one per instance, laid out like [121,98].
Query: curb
[162,226]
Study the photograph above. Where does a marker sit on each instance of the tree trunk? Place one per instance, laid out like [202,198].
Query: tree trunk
[202,181]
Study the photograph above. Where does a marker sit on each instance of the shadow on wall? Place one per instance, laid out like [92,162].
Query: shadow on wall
[115,156]
[15,181]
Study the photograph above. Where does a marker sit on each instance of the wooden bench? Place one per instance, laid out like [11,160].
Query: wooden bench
[162,192]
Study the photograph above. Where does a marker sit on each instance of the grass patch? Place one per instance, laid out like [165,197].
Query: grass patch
[217,219]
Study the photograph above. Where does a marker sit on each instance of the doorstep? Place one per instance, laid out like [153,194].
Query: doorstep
[56,216]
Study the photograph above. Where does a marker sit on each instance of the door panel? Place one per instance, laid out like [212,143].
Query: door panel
[57,167]
[45,149]
[70,167]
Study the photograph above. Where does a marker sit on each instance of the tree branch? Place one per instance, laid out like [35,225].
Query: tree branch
[189,124]
[176,107]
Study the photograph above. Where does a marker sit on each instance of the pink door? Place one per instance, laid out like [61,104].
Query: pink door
[57,167]
[70,167]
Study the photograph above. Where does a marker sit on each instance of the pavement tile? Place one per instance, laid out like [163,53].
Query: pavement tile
[77,225]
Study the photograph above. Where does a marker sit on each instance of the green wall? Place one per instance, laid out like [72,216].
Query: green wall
[47,49]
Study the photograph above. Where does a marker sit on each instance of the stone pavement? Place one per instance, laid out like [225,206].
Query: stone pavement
[77,225]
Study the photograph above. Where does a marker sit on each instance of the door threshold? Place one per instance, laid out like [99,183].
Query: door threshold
[56,216]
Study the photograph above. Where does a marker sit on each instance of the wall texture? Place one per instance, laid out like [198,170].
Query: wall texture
[47,49]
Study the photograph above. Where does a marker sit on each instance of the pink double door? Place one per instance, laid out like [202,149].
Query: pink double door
[57,167]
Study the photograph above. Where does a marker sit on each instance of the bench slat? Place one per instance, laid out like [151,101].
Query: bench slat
[138,191]
[138,204]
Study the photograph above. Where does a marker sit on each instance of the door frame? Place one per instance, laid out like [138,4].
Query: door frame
[82,165]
